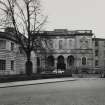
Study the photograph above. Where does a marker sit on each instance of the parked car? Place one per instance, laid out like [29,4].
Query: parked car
[59,71]
[103,74]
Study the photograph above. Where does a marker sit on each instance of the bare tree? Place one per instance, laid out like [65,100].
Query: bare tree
[25,17]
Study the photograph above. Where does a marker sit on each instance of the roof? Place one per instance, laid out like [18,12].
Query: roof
[65,32]
[98,39]
[56,32]
[11,36]
[6,35]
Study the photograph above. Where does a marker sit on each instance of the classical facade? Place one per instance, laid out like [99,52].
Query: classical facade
[68,49]
[63,50]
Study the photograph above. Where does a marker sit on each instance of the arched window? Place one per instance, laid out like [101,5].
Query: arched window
[83,60]
[70,60]
[61,63]
[60,59]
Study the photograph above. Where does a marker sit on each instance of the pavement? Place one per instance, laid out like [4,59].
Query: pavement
[35,82]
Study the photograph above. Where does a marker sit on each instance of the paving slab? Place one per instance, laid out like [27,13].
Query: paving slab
[35,82]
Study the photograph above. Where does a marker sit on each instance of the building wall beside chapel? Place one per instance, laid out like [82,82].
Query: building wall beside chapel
[12,55]
[99,52]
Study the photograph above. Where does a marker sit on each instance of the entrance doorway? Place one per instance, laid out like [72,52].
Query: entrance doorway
[60,63]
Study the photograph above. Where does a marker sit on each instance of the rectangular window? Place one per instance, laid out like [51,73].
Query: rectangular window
[12,46]
[2,64]
[96,52]
[96,62]
[2,44]
[70,43]
[83,60]
[20,50]
[60,44]
[50,43]
[12,65]
[96,43]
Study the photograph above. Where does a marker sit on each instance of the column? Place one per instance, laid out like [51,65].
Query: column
[66,63]
[55,63]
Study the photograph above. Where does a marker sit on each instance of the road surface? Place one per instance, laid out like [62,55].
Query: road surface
[80,92]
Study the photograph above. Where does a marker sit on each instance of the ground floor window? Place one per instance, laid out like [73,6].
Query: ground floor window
[12,65]
[2,64]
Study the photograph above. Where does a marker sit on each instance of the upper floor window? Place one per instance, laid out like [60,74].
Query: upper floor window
[12,65]
[20,50]
[96,43]
[2,64]
[70,43]
[50,43]
[83,60]
[2,44]
[96,52]
[60,44]
[38,62]
[96,62]
[12,46]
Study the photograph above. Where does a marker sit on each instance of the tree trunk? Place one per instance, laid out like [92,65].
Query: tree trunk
[29,65]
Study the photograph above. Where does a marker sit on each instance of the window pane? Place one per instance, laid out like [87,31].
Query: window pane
[70,43]
[96,62]
[12,46]
[60,44]
[96,43]
[96,52]
[2,64]
[12,65]
[2,44]
[84,61]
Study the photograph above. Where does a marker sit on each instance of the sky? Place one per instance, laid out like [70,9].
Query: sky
[75,15]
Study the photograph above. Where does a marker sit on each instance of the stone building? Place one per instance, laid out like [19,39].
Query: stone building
[99,52]
[63,50]
[12,56]
[72,50]
[68,49]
